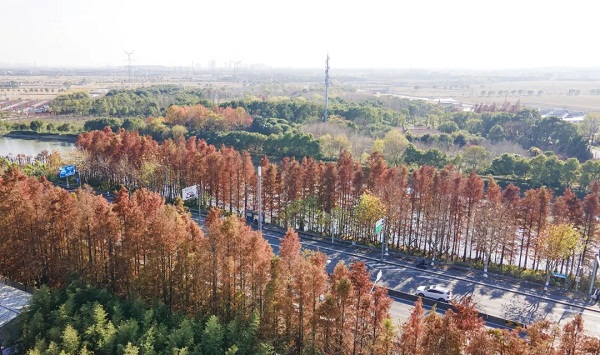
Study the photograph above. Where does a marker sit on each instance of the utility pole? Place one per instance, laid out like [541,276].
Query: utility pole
[259,199]
[594,271]
[326,88]
[199,199]
[382,244]
[433,247]
[380,232]
[333,229]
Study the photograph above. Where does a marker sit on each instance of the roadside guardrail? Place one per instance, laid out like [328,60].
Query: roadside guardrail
[501,322]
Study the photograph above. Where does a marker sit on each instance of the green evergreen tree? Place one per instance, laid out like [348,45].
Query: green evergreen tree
[183,337]
[131,349]
[268,349]
[53,349]
[127,331]
[147,341]
[101,333]
[248,340]
[232,350]
[70,340]
[212,337]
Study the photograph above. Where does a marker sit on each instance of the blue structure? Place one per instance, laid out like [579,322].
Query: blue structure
[65,171]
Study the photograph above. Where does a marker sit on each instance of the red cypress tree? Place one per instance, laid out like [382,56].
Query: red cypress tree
[411,332]
[473,192]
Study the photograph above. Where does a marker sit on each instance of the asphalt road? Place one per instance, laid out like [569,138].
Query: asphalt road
[520,305]
[514,301]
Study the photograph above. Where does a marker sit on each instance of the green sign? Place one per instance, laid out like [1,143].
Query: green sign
[379,225]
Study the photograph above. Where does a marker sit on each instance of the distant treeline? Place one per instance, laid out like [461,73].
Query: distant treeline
[247,124]
[144,102]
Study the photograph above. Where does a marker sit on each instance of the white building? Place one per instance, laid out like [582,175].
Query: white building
[565,115]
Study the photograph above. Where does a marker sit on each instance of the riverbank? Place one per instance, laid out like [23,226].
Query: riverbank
[70,138]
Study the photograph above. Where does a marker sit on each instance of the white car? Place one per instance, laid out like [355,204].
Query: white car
[436,292]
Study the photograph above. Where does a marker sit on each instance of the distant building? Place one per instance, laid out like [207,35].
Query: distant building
[454,105]
[448,102]
[575,117]
[563,114]
[98,92]
[12,302]
[419,131]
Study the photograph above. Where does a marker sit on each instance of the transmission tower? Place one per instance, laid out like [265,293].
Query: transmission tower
[326,88]
[129,60]
[236,67]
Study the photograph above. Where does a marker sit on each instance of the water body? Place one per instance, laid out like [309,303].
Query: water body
[32,147]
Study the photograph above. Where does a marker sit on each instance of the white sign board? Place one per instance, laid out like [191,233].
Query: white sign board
[189,193]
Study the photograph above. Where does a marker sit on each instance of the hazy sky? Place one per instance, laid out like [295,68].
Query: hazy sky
[280,33]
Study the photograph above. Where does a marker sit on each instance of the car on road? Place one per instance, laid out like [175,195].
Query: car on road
[421,264]
[435,292]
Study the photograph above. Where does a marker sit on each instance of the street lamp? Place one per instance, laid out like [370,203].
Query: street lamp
[595,270]
[432,245]
[486,262]
[578,278]
[79,177]
[379,274]
[333,229]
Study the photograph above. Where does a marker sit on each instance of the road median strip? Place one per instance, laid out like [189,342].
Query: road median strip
[460,278]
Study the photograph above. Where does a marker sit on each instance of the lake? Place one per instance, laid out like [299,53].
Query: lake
[32,147]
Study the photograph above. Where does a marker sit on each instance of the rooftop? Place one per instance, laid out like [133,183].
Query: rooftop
[12,302]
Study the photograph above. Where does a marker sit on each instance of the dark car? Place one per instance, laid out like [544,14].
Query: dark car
[421,263]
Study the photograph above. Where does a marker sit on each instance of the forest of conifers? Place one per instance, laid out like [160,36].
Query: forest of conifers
[85,320]
[224,291]
[441,213]
[140,247]
[219,292]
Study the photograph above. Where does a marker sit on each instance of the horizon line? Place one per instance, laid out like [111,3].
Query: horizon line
[262,66]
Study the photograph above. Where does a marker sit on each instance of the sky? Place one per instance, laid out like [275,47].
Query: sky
[475,34]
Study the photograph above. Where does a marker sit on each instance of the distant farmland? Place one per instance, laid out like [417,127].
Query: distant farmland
[574,95]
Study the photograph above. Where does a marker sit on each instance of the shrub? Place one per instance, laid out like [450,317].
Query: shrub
[448,127]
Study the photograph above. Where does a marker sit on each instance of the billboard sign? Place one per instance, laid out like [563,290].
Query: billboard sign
[65,171]
[189,193]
